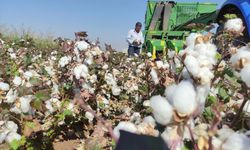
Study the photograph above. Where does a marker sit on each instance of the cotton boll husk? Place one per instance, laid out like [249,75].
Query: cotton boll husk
[205,75]
[17,81]
[185,95]
[237,142]
[154,76]
[125,126]
[245,75]
[12,136]
[89,116]
[82,45]
[81,71]
[116,90]
[192,65]
[162,110]
[190,40]
[234,24]
[25,103]
[243,52]
[4,86]
[11,96]
[169,93]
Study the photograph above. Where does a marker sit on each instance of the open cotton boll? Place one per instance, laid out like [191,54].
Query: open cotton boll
[205,76]
[50,70]
[237,141]
[247,107]
[234,24]
[185,95]
[150,120]
[64,61]
[11,126]
[241,53]
[154,76]
[116,91]
[149,54]
[17,81]
[49,106]
[4,86]
[169,93]
[125,126]
[82,45]
[136,118]
[81,71]
[3,135]
[245,75]
[11,96]
[25,103]
[190,40]
[89,116]
[162,110]
[201,96]
[12,136]
[192,65]
[110,80]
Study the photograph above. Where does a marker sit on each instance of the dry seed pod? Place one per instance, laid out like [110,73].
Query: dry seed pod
[199,40]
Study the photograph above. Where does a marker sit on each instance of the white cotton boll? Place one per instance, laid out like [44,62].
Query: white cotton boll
[190,40]
[192,65]
[15,110]
[234,24]
[150,120]
[11,126]
[116,91]
[82,45]
[205,75]
[247,107]
[136,118]
[12,55]
[25,103]
[202,92]
[3,135]
[110,80]
[185,74]
[12,136]
[64,61]
[245,75]
[162,110]
[28,74]
[56,102]
[211,50]
[81,71]
[185,95]
[169,92]
[105,67]
[216,142]
[89,61]
[11,96]
[71,106]
[161,64]
[241,53]
[17,81]
[4,86]
[50,70]
[201,49]
[89,116]
[146,103]
[49,106]
[149,54]
[125,126]
[154,76]
[237,142]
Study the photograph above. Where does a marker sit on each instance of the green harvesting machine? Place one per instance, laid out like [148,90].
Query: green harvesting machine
[167,24]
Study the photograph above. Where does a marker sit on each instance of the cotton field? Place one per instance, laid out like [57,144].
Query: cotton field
[194,99]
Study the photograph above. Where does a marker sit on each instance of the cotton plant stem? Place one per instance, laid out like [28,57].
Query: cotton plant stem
[192,138]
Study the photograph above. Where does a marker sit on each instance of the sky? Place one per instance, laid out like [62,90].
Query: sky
[110,20]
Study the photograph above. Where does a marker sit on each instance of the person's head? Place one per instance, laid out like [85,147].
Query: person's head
[138,27]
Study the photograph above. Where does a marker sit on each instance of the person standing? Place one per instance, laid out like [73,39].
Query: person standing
[135,40]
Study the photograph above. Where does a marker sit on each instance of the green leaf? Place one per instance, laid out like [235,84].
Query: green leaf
[223,93]
[15,144]
[30,124]
[208,113]
[42,95]
[35,81]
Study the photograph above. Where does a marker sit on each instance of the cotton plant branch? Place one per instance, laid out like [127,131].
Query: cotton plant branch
[79,100]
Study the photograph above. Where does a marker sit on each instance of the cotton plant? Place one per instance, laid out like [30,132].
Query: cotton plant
[8,132]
